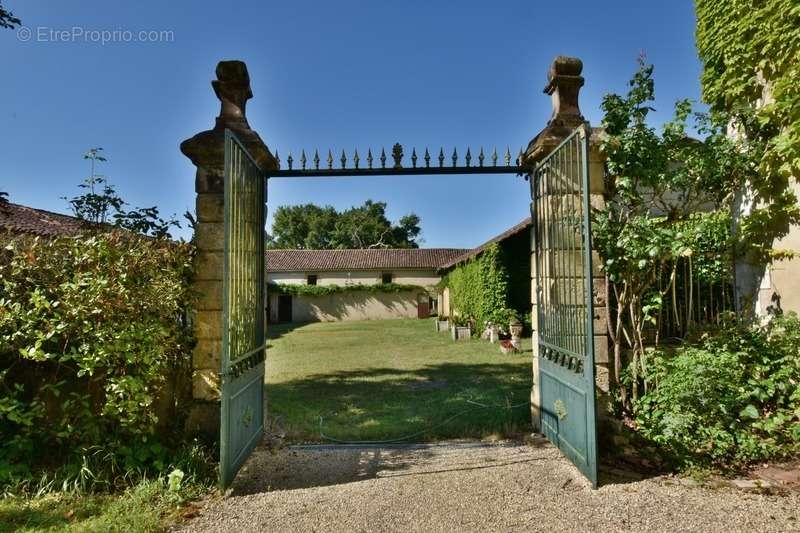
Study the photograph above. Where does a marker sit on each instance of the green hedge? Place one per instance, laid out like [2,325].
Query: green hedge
[324,290]
[93,331]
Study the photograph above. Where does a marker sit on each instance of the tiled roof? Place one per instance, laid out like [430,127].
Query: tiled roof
[371,259]
[21,219]
[469,254]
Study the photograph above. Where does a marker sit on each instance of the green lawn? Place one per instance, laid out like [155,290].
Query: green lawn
[385,379]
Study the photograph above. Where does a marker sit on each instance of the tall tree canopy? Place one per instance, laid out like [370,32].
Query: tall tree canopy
[311,226]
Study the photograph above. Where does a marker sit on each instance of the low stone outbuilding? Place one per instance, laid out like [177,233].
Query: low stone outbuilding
[373,283]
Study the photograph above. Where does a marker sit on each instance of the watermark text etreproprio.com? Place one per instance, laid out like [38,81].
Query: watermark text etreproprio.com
[80,34]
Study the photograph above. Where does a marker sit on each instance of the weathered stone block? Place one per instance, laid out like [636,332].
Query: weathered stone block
[205,384]
[208,325]
[209,295]
[210,236]
[207,354]
[210,207]
[208,265]
[601,349]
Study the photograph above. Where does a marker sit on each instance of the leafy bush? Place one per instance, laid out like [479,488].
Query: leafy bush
[732,399]
[93,333]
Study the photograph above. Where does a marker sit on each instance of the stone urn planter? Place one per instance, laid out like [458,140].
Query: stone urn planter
[515,328]
[461,333]
[442,325]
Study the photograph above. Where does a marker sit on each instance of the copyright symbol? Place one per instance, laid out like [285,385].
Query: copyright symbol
[24,34]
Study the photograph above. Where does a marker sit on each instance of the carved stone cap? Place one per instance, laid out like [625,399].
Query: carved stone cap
[207,148]
[564,82]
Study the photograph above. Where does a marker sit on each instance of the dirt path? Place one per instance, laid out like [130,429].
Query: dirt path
[468,487]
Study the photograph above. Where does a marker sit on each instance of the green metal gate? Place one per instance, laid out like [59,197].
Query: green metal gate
[563,256]
[243,347]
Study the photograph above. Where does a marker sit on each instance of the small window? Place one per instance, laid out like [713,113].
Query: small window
[311,279]
[386,278]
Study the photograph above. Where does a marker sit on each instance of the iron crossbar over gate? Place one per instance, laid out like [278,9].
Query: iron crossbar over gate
[377,166]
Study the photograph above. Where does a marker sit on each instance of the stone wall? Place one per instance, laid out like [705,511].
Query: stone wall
[355,305]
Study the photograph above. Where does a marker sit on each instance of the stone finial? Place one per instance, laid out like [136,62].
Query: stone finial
[564,82]
[207,148]
[232,87]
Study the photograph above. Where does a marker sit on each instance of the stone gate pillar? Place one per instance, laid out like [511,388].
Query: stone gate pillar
[207,152]
[563,86]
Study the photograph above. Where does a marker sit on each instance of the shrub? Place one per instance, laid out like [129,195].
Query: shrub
[93,332]
[730,400]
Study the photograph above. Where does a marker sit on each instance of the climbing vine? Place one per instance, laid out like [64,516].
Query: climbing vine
[479,288]
[750,54]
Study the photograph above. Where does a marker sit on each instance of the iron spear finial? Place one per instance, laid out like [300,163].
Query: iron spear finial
[414,157]
[369,157]
[343,159]
[355,158]
[455,157]
[494,157]
[480,157]
[441,157]
[508,157]
[383,158]
[289,161]
[468,157]
[303,159]
[330,160]
[316,159]
[427,158]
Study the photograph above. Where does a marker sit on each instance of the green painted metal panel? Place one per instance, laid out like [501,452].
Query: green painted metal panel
[563,255]
[243,346]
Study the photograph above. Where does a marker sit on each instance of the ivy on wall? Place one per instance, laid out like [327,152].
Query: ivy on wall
[750,51]
[324,290]
[479,288]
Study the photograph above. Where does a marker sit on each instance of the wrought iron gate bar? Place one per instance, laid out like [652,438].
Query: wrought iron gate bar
[419,171]
[397,168]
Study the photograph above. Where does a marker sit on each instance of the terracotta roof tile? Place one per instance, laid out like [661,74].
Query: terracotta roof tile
[370,259]
[21,219]
[469,254]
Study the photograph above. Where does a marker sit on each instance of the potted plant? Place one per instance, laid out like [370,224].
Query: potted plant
[460,329]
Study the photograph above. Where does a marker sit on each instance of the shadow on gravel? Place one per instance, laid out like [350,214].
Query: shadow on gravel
[317,466]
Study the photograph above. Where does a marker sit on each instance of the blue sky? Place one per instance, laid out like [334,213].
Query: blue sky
[324,74]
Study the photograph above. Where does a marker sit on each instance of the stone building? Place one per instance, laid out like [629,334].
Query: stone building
[416,268]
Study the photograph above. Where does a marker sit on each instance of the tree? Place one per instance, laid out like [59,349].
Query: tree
[311,227]
[100,205]
[7,19]
[668,197]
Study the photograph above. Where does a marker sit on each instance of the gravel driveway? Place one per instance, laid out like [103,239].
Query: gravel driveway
[470,487]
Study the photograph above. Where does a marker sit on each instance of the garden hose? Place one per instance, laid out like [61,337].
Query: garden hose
[478,407]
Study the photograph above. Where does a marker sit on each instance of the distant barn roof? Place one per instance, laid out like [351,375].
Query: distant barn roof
[371,259]
[469,254]
[20,219]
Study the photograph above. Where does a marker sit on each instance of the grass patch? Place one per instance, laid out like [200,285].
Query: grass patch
[147,506]
[384,379]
